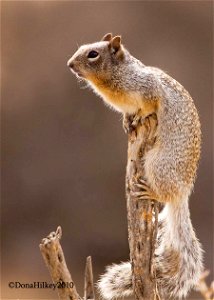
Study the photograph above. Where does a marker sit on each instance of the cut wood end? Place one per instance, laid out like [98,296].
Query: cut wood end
[88,260]
[53,237]
[59,232]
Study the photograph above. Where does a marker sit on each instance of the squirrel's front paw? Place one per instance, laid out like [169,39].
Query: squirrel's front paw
[130,122]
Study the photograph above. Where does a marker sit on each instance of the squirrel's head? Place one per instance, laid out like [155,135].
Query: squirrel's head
[95,61]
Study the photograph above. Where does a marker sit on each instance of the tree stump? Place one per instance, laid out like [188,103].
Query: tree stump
[142,214]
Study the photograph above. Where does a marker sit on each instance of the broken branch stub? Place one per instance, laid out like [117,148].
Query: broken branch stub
[55,261]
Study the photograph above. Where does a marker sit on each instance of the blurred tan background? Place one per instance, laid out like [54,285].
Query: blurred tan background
[64,152]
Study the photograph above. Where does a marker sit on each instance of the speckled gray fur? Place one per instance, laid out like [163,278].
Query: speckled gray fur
[170,166]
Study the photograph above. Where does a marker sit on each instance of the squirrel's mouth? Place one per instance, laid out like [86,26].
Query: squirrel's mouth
[76,72]
[79,74]
[74,69]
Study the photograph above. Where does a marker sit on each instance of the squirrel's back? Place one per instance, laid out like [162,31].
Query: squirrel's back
[172,163]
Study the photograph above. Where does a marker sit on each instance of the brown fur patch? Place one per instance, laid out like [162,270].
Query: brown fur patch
[130,103]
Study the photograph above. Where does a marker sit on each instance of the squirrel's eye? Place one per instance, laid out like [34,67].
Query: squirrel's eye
[92,54]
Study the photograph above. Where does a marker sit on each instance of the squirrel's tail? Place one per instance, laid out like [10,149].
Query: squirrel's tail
[178,258]
[116,282]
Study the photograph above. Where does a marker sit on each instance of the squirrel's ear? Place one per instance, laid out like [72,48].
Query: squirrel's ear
[115,43]
[107,37]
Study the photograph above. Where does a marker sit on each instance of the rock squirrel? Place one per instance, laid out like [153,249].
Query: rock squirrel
[133,89]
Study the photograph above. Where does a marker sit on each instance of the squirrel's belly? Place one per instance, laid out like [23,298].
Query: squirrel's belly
[122,102]
[122,105]
[116,99]
[131,103]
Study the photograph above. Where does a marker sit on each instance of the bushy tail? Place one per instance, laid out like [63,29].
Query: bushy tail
[178,259]
[116,282]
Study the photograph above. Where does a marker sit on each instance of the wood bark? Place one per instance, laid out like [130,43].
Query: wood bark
[142,214]
[88,282]
[55,261]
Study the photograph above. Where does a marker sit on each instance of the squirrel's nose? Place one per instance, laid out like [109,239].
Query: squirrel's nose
[70,64]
